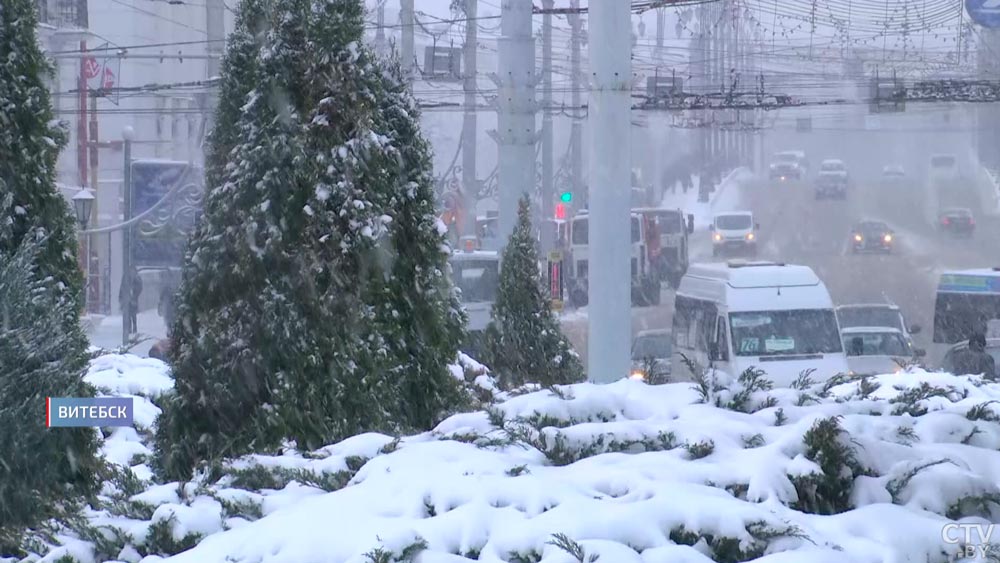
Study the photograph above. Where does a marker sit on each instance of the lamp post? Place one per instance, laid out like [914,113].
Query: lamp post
[83,206]
[128,134]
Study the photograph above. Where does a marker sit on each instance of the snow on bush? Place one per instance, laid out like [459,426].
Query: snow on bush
[854,469]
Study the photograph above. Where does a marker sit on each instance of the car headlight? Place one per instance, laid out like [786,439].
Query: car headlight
[717,237]
[858,238]
[887,238]
[750,236]
[637,374]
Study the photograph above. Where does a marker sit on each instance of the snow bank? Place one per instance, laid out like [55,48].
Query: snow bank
[861,470]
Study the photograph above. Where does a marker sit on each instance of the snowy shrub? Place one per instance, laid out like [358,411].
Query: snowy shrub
[828,491]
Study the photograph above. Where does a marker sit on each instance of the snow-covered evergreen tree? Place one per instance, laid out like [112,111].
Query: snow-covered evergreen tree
[30,141]
[241,319]
[524,343]
[43,472]
[301,318]
[237,79]
[422,317]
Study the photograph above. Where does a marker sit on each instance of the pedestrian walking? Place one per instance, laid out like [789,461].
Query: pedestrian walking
[130,303]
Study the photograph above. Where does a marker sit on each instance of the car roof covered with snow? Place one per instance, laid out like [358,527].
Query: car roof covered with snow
[832,162]
[798,154]
[653,332]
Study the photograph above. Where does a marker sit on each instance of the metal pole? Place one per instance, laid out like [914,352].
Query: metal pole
[406,44]
[516,110]
[548,195]
[81,129]
[576,131]
[469,126]
[90,287]
[215,28]
[610,164]
[127,136]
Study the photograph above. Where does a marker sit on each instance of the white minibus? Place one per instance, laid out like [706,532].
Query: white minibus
[775,317]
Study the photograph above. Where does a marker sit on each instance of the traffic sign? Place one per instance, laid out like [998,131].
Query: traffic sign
[984,12]
[555,256]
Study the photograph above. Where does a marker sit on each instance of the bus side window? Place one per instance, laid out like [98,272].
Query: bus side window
[721,341]
[682,323]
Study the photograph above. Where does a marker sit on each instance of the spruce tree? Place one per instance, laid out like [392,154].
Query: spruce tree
[237,79]
[30,141]
[294,313]
[239,329]
[423,318]
[524,343]
[43,472]
[42,346]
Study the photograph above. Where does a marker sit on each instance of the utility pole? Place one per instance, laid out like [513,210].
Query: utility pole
[128,135]
[548,203]
[576,132]
[516,109]
[81,127]
[215,28]
[406,44]
[470,185]
[380,42]
[610,253]
[661,24]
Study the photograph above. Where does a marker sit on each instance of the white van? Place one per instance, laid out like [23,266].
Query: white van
[734,231]
[775,317]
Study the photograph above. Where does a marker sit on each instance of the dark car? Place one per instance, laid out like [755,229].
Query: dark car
[787,165]
[992,348]
[957,221]
[872,236]
[831,185]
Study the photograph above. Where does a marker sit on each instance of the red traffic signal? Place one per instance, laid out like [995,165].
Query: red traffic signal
[560,211]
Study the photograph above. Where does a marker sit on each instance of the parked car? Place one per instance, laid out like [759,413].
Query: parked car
[876,314]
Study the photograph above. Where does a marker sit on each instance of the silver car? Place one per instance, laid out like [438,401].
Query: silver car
[655,346]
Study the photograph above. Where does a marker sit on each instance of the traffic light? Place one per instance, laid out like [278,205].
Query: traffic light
[560,211]
[566,197]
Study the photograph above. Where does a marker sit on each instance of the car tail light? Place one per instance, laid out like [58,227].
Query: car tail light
[972,221]
[945,221]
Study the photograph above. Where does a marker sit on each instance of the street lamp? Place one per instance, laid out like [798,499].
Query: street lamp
[83,205]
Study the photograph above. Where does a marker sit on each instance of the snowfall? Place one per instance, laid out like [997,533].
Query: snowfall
[625,472]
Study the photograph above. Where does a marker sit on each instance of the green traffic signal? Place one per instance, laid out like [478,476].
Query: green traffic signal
[566,197]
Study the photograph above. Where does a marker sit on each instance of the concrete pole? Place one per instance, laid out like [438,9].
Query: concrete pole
[548,195]
[127,136]
[470,185]
[610,178]
[406,43]
[661,24]
[215,29]
[515,110]
[380,41]
[576,131]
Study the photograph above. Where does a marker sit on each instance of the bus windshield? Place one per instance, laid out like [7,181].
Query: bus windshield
[958,315]
[785,333]
[476,279]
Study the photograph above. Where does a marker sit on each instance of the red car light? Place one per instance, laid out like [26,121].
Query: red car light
[945,221]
